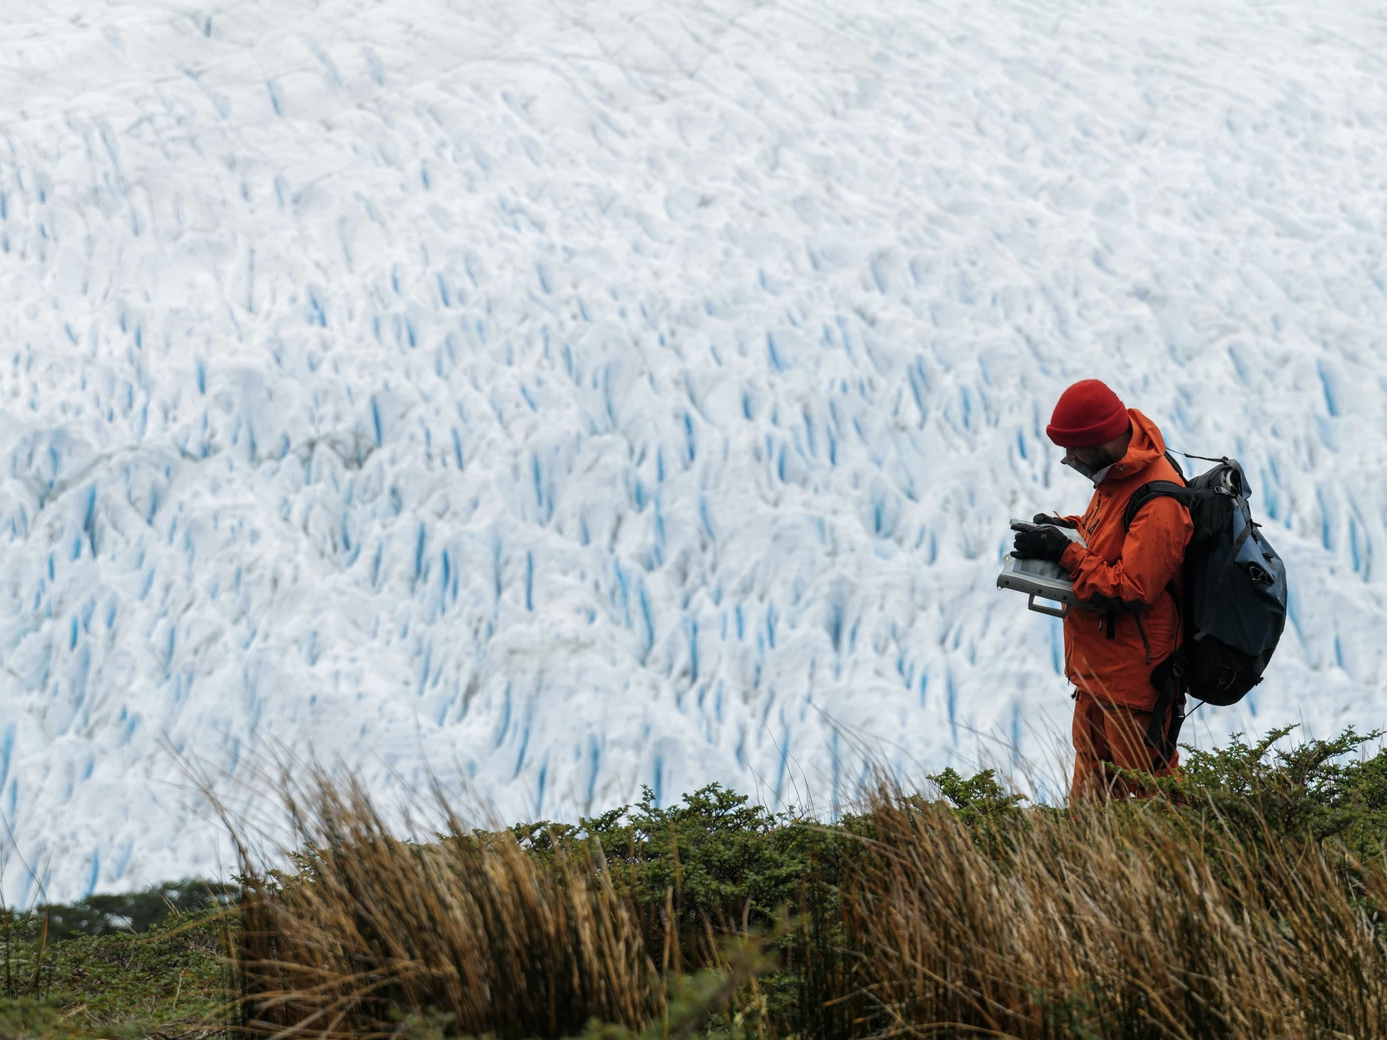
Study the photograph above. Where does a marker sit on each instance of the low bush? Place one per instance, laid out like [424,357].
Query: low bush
[175,979]
[126,912]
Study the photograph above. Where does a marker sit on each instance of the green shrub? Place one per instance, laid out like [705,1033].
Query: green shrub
[715,857]
[1317,791]
[112,914]
[173,979]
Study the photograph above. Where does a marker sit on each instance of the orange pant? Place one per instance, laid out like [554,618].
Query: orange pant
[1108,737]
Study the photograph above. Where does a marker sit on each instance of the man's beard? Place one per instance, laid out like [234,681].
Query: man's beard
[1104,460]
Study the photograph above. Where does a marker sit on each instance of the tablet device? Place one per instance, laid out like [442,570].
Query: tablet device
[1048,585]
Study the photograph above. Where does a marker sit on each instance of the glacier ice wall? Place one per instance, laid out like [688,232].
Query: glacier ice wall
[597,394]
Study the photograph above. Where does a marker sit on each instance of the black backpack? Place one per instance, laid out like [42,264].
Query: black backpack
[1234,604]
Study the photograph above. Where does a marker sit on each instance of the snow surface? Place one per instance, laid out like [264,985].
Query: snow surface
[600,393]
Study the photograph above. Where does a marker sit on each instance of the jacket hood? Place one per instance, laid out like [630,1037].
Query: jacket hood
[1147,446]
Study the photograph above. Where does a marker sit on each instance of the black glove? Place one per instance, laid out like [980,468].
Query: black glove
[1040,543]
[1052,520]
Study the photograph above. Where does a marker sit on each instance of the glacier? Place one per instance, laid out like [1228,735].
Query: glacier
[570,396]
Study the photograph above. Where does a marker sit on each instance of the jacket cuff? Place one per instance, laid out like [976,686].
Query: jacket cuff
[1072,556]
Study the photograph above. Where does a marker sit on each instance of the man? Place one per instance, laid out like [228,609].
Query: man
[1132,576]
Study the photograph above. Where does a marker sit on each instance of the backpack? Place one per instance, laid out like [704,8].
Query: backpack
[1234,604]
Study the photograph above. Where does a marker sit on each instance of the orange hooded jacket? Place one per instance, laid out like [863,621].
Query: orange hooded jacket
[1133,575]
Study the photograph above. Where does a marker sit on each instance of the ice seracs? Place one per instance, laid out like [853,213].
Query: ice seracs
[574,398]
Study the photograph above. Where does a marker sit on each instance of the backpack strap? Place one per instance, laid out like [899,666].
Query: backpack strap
[1168,715]
[1202,458]
[1175,466]
[1183,494]
[1155,489]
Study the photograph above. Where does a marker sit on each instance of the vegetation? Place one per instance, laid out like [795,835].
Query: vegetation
[1245,902]
[172,980]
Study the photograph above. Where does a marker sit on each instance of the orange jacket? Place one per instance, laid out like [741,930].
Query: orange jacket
[1133,575]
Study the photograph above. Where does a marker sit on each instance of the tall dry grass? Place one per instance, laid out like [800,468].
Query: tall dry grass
[1111,921]
[1118,921]
[469,927]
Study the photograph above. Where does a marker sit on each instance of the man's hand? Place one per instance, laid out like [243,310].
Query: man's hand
[1052,520]
[1040,543]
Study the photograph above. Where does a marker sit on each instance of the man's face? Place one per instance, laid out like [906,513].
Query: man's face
[1089,461]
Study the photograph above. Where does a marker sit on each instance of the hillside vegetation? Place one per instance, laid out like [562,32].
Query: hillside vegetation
[1246,902]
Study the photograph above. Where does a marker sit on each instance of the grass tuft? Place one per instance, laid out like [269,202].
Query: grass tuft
[470,926]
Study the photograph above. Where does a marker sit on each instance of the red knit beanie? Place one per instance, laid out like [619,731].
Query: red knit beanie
[1088,414]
